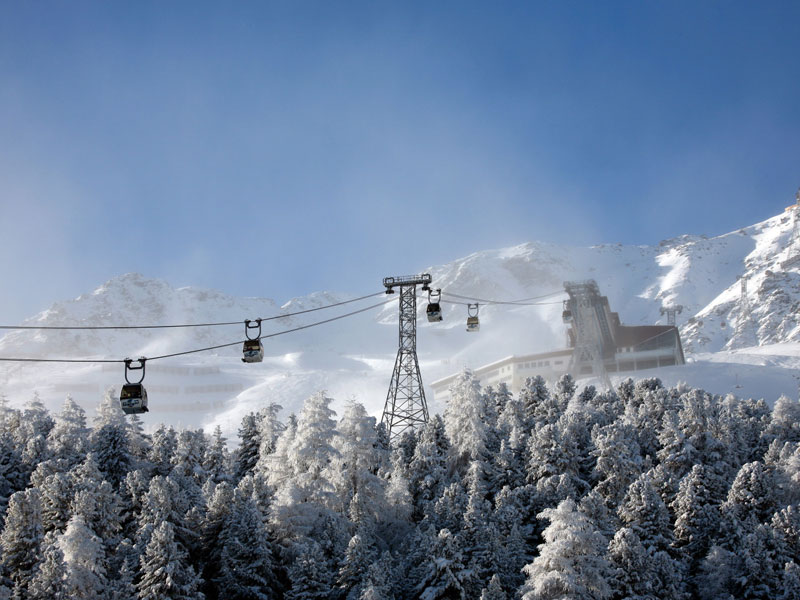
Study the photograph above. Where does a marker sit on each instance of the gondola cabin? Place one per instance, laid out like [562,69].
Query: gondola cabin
[252,351]
[473,324]
[434,312]
[133,399]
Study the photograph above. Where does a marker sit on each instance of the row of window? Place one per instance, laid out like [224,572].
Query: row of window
[529,365]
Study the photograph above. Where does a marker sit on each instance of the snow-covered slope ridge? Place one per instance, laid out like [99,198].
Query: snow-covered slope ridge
[767,313]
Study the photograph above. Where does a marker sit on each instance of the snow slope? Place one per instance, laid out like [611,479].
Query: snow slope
[353,358]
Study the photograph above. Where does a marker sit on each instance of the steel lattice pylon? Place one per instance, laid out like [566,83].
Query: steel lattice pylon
[405,406]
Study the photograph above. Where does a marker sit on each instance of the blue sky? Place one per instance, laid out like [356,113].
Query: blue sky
[275,149]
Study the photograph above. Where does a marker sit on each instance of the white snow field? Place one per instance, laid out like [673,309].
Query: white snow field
[730,349]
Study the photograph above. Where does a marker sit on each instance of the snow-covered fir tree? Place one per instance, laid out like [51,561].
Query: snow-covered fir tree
[494,591]
[310,575]
[21,539]
[571,562]
[13,473]
[447,575]
[162,449]
[355,468]
[165,573]
[217,460]
[539,405]
[619,460]
[696,514]
[360,554]
[465,420]
[56,496]
[376,583]
[67,440]
[49,582]
[784,424]
[245,570]
[249,443]
[108,411]
[110,448]
[189,457]
[427,471]
[85,561]
[305,500]
[270,429]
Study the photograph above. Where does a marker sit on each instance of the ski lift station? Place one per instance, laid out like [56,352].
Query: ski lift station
[599,344]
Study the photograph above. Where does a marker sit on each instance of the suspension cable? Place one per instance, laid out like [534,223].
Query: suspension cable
[271,335]
[493,302]
[521,302]
[96,327]
[505,303]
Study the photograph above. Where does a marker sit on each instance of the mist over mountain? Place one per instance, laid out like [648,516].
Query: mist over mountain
[745,347]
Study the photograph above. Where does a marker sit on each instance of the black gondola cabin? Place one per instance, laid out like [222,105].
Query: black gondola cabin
[252,351]
[133,399]
[434,312]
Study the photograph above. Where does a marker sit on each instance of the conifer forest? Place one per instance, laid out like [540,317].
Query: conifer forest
[638,493]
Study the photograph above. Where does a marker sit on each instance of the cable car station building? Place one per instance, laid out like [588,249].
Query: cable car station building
[597,340]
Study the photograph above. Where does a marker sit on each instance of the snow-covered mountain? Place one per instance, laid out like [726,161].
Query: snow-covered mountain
[353,357]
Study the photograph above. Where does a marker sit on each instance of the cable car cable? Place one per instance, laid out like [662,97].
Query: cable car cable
[98,327]
[505,303]
[151,358]
[489,302]
[63,360]
[521,302]
[350,314]
[554,293]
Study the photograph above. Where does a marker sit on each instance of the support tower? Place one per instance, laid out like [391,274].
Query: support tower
[671,311]
[592,337]
[405,406]
[745,319]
